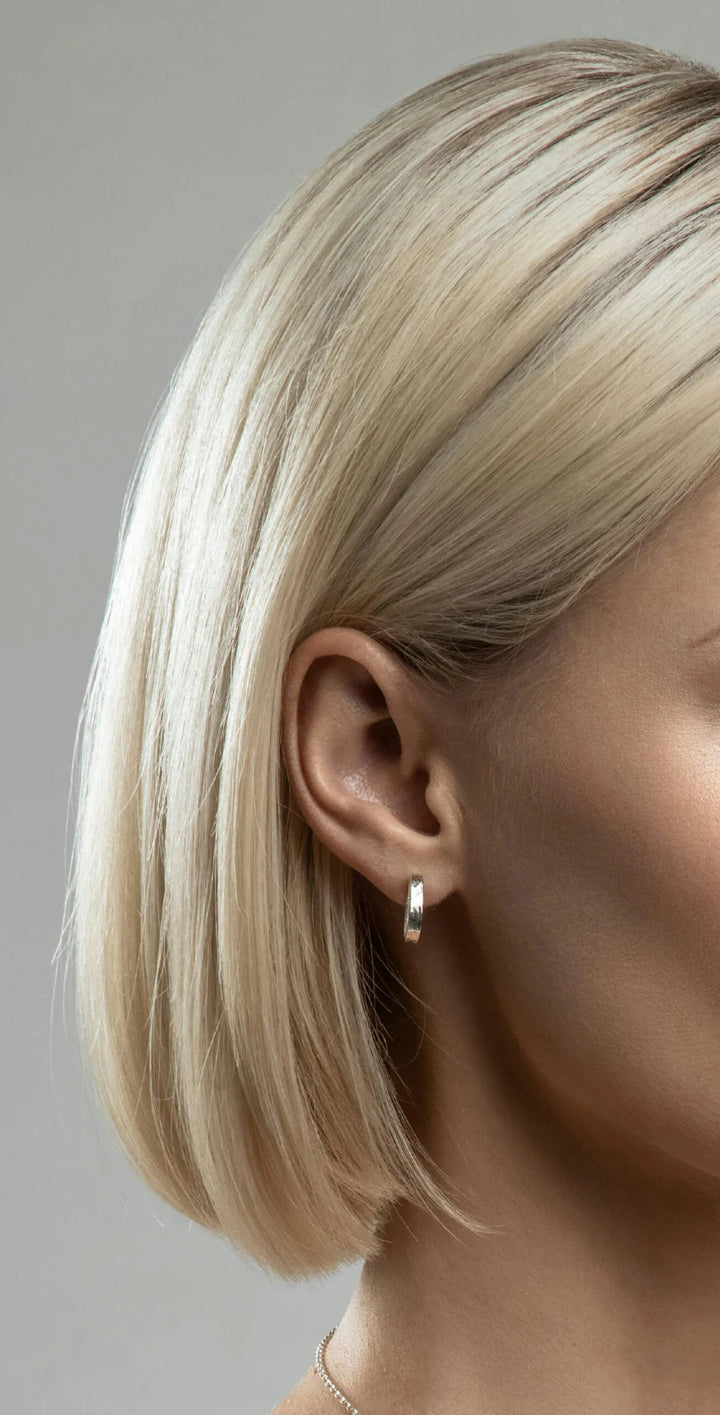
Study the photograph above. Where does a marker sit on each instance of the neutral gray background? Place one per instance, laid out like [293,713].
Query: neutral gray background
[144,143]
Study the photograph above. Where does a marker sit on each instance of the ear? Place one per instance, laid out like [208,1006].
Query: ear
[365,743]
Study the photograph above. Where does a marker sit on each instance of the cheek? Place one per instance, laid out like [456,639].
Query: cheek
[599,910]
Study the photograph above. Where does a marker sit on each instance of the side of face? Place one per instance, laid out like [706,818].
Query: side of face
[592,856]
[571,804]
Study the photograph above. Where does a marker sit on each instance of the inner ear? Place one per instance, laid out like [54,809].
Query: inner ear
[366,686]
[385,737]
[382,733]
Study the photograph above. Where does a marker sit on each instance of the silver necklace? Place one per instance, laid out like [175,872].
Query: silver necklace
[320,1368]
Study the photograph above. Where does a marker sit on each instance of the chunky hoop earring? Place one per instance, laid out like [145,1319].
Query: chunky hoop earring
[413,910]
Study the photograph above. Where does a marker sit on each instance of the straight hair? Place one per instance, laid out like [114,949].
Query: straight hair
[467,365]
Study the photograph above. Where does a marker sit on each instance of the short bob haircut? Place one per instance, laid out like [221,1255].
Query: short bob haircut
[468,364]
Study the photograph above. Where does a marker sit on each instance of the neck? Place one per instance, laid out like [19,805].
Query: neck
[602,1294]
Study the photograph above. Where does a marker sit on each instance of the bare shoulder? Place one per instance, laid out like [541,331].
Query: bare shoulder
[306,1398]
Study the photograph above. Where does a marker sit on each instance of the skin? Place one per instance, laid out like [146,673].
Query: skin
[564,1048]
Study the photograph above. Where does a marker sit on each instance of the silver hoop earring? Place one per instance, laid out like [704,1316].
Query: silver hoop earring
[413,910]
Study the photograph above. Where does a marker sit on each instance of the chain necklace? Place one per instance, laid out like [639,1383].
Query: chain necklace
[320,1368]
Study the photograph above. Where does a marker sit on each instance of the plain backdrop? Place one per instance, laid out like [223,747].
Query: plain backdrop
[144,143]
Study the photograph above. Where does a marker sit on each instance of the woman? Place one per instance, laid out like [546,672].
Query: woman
[397,863]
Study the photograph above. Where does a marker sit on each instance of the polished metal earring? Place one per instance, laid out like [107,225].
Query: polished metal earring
[413,910]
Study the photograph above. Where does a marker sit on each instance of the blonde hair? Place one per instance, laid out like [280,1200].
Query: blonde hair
[468,364]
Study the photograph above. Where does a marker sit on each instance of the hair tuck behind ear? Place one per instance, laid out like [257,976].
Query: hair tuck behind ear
[470,362]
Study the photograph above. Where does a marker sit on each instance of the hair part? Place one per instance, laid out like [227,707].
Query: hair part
[467,365]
